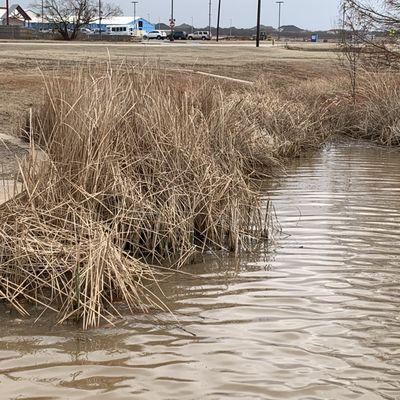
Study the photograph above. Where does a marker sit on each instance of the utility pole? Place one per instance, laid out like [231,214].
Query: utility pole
[172,22]
[134,17]
[344,24]
[230,29]
[42,12]
[100,37]
[280,2]
[219,18]
[258,23]
[7,13]
[209,17]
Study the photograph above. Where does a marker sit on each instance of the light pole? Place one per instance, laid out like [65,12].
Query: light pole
[219,18]
[230,29]
[172,22]
[99,19]
[209,17]
[258,24]
[279,18]
[41,12]
[134,17]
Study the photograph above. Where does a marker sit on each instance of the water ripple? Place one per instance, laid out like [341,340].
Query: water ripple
[316,319]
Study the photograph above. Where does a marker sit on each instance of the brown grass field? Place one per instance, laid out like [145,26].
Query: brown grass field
[23,63]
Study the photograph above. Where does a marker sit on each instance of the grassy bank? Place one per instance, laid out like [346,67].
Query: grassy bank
[144,168]
[376,113]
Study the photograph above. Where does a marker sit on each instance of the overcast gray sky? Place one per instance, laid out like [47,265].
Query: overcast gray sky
[311,14]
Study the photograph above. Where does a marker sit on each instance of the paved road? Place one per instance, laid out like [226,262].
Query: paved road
[154,43]
[12,149]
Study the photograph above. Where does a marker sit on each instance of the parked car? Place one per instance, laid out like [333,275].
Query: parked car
[179,35]
[86,31]
[159,35]
[263,36]
[199,35]
[45,30]
[96,31]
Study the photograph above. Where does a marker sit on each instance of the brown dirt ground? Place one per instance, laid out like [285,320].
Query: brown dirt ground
[23,63]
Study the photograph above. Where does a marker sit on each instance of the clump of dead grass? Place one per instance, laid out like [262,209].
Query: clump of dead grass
[377,110]
[140,172]
[311,111]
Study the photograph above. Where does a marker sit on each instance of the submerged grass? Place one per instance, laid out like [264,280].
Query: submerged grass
[143,168]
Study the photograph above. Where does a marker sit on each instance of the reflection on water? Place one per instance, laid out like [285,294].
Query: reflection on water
[319,319]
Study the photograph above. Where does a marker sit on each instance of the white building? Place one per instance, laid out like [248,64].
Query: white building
[123,25]
[16,16]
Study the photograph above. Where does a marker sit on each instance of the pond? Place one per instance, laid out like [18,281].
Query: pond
[316,318]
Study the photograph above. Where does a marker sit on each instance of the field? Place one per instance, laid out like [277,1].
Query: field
[23,63]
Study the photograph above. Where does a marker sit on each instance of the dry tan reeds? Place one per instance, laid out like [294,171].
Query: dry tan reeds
[141,170]
[377,111]
[324,107]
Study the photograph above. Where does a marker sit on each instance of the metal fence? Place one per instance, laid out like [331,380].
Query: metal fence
[22,33]
[16,32]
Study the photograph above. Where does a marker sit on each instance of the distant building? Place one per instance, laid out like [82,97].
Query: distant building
[113,25]
[16,16]
[124,25]
[35,20]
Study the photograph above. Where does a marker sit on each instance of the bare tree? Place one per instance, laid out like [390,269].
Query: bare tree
[68,16]
[375,24]
[352,46]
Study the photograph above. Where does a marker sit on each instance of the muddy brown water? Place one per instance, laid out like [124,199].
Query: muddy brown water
[318,318]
